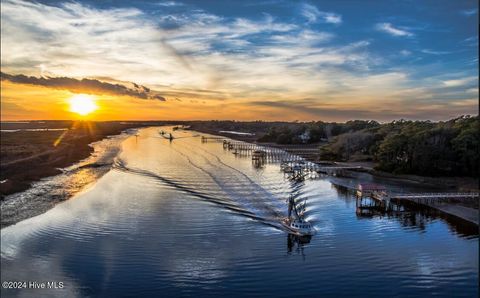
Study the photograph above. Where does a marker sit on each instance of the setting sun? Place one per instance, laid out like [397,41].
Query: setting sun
[82,104]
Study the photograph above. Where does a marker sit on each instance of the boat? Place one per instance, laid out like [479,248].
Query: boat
[296,222]
[168,137]
[299,228]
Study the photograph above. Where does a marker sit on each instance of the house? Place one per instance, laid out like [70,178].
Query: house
[305,137]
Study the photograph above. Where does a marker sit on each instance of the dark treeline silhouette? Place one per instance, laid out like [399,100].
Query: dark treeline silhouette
[413,147]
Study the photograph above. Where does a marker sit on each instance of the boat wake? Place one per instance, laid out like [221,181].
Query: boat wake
[224,202]
[208,173]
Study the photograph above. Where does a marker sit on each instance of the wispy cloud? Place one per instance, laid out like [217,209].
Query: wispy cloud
[313,15]
[395,31]
[196,56]
[304,37]
[471,41]
[459,82]
[238,57]
[469,12]
[169,3]
[89,86]
[432,52]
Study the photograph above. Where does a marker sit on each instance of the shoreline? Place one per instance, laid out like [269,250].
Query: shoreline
[458,183]
[99,167]
[43,195]
[464,213]
[28,156]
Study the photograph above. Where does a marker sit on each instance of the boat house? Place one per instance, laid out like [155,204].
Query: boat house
[368,189]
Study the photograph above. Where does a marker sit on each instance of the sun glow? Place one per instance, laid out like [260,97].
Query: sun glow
[82,104]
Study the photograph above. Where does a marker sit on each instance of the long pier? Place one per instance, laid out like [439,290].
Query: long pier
[423,198]
[291,162]
[440,201]
[432,198]
[436,196]
[270,154]
[379,200]
[311,166]
[274,153]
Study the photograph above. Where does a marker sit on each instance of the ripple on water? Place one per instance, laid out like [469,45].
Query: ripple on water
[189,218]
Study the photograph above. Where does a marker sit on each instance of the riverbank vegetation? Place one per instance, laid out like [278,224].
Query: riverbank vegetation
[445,148]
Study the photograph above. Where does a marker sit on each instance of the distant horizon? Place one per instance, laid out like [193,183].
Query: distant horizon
[235,120]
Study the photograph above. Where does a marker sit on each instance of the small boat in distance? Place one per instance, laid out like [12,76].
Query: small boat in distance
[296,222]
[164,134]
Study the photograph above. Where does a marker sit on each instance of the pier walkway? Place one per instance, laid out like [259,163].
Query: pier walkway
[376,196]
[419,197]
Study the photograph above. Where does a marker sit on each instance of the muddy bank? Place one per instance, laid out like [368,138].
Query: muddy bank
[34,150]
[46,193]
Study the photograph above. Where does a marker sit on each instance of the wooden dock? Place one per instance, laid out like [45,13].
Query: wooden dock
[291,163]
[445,202]
[377,200]
[274,153]
[423,198]
[436,197]
[270,155]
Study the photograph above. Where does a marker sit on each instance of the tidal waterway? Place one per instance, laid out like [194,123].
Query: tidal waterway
[188,218]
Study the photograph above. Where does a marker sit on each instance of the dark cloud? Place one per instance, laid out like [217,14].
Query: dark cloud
[89,86]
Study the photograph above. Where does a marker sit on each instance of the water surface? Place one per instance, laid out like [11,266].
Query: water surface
[189,218]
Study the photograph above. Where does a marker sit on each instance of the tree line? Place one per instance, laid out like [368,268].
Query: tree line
[312,132]
[413,147]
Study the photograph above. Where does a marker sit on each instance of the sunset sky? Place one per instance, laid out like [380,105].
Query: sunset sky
[243,60]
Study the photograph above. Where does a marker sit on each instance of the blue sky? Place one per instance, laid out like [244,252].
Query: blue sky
[331,60]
